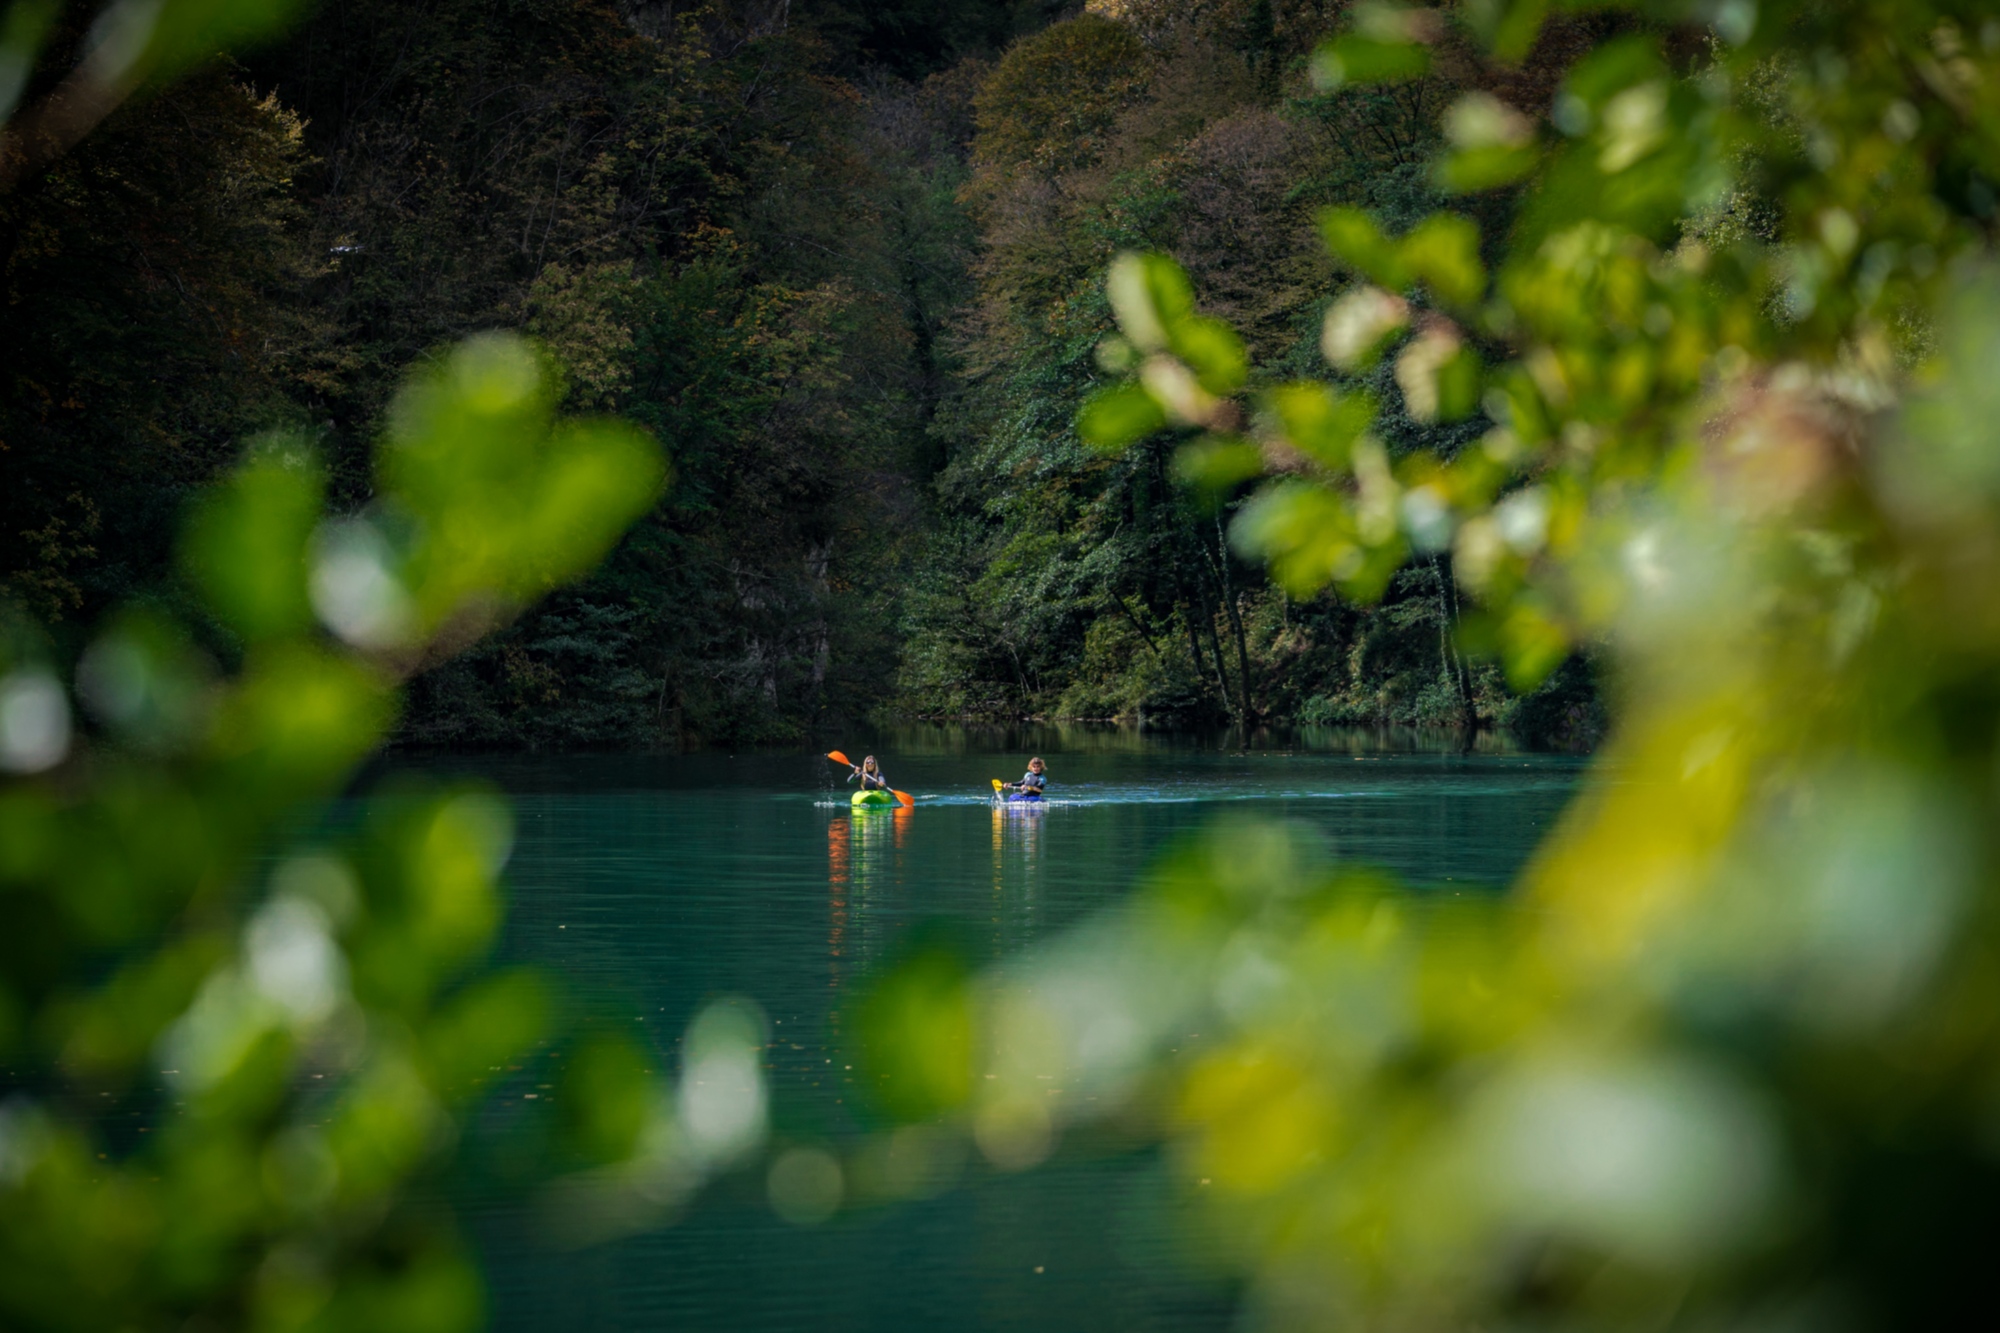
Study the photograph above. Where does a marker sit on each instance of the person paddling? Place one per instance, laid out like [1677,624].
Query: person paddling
[872,780]
[1035,781]
[870,774]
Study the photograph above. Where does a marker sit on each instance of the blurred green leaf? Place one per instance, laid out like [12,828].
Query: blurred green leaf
[298,719]
[1151,296]
[1358,60]
[1214,352]
[1440,377]
[23,29]
[503,503]
[1617,66]
[246,545]
[1532,644]
[105,1033]
[1311,537]
[1443,251]
[134,40]
[1320,422]
[1352,237]
[143,679]
[1116,417]
[1214,466]
[1518,23]
[486,1026]
[913,1031]
[1488,167]
[607,1097]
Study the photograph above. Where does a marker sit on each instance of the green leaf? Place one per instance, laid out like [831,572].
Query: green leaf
[914,1031]
[1214,352]
[490,1023]
[1151,296]
[506,505]
[1517,27]
[1443,250]
[1352,237]
[607,1098]
[1459,381]
[1356,60]
[299,718]
[1532,645]
[1611,69]
[1319,422]
[1116,417]
[136,40]
[22,31]
[1471,170]
[1217,465]
[246,545]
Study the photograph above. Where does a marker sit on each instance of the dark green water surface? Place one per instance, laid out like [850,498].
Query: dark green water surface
[651,885]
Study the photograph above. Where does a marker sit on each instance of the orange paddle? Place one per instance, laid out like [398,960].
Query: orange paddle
[903,796]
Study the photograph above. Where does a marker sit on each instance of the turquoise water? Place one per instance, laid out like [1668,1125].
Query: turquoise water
[654,885]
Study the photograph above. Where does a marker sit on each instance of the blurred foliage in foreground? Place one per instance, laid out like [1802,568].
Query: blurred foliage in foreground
[1732,1058]
[235,1044]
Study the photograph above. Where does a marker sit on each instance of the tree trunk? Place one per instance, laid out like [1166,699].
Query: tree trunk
[1215,643]
[1151,647]
[1453,660]
[1221,573]
[1235,624]
[1197,606]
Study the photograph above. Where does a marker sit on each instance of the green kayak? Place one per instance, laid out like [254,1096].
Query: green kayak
[862,798]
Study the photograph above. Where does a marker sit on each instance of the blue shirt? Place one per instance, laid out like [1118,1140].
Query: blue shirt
[1034,780]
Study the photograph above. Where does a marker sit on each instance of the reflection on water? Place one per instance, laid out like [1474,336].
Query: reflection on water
[1017,844]
[863,853]
[653,885]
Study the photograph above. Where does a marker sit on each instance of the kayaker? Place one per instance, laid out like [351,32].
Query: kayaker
[870,774]
[1035,781]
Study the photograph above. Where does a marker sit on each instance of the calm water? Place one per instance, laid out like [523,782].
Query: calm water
[653,885]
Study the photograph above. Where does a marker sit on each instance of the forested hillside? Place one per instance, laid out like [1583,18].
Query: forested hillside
[844,259]
[1062,581]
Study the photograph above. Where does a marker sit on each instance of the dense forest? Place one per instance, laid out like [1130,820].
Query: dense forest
[845,260]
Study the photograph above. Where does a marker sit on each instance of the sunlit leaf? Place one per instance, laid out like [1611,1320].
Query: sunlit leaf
[299,718]
[1151,296]
[1118,416]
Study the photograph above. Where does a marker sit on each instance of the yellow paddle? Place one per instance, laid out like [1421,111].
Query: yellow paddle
[903,796]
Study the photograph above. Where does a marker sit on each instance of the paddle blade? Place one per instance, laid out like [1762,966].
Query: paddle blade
[839,758]
[998,784]
[907,799]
